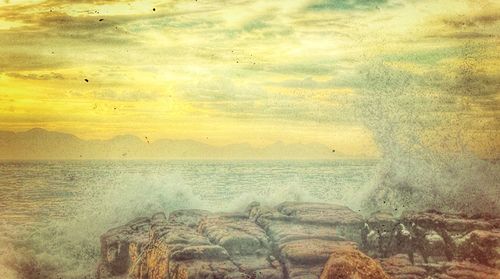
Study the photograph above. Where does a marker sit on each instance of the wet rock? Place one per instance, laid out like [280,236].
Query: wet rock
[449,222]
[301,240]
[440,234]
[400,267]
[201,269]
[463,270]
[116,245]
[311,251]
[246,243]
[138,268]
[188,217]
[202,252]
[349,263]
[378,233]
[481,247]
[177,250]
[319,213]
[303,235]
[237,234]
[307,257]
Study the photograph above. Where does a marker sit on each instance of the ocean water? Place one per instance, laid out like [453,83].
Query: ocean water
[53,212]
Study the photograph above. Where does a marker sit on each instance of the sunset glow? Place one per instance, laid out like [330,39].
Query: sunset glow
[224,72]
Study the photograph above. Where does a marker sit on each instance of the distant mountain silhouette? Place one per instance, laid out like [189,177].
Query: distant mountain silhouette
[39,143]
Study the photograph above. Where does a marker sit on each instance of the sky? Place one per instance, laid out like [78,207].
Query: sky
[353,74]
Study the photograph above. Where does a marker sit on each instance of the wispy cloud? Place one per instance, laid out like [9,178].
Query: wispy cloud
[346,4]
[216,63]
[32,76]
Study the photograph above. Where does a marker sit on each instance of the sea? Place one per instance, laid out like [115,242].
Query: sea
[53,212]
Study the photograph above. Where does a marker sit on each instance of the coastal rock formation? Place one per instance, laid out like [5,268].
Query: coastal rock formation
[300,241]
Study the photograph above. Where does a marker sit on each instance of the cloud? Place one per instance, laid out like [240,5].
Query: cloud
[32,76]
[261,60]
[463,21]
[251,101]
[462,35]
[478,24]
[222,90]
[426,57]
[290,108]
[306,83]
[125,96]
[91,2]
[297,68]
[15,60]
[119,96]
[346,5]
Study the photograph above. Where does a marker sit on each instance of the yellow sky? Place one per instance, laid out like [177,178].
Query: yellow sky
[253,71]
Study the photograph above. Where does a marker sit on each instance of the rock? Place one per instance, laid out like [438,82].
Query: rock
[202,252]
[311,251]
[439,234]
[115,246]
[450,222]
[177,250]
[434,243]
[481,247]
[237,234]
[349,263]
[400,267]
[467,270]
[377,233]
[245,241]
[304,235]
[196,269]
[300,241]
[319,213]
[188,217]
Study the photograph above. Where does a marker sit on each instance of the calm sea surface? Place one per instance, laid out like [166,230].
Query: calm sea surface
[52,212]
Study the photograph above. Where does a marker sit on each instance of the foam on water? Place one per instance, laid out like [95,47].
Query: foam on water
[67,247]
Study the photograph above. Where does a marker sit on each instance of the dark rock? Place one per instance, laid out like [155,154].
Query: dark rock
[481,247]
[440,234]
[378,233]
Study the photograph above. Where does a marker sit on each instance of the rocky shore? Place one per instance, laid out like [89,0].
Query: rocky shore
[302,240]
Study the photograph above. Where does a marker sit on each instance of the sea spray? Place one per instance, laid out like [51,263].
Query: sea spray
[421,123]
[68,247]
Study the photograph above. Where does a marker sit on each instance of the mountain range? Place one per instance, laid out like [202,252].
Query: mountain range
[39,143]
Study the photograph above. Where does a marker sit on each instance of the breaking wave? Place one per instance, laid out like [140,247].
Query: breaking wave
[65,242]
[437,150]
